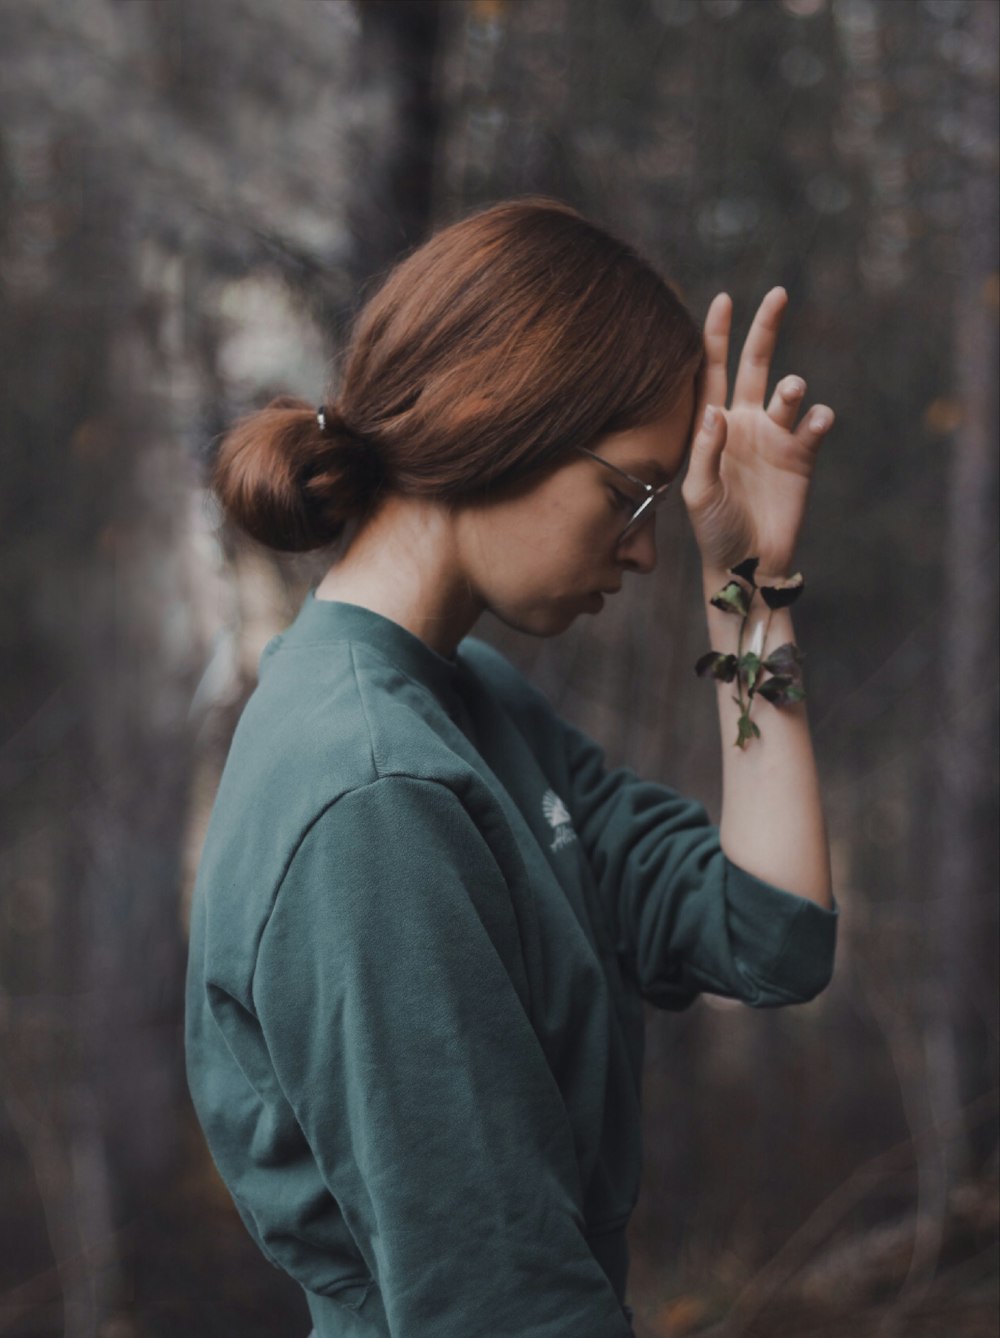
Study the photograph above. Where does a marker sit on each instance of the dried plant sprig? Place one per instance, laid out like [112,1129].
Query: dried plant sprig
[784,665]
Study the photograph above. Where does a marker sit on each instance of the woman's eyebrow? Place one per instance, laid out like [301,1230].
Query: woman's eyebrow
[643,468]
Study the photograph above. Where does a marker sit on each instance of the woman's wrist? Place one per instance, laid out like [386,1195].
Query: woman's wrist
[752,642]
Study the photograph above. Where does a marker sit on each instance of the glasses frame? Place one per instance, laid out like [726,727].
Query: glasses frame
[647,507]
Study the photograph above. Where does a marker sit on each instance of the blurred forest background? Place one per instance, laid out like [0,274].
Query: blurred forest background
[195,196]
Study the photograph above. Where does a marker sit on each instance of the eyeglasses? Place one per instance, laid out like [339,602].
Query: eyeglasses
[639,511]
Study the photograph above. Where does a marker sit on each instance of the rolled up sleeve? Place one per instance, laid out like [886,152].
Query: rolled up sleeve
[685,917]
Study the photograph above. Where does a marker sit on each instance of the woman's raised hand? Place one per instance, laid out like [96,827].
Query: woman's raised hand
[748,479]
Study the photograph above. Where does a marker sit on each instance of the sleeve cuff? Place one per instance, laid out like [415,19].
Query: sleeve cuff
[785,944]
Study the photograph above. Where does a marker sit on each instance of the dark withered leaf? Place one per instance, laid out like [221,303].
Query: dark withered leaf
[716,665]
[780,690]
[746,730]
[732,598]
[746,569]
[786,659]
[783,593]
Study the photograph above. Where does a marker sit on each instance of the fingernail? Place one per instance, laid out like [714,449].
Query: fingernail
[708,422]
[794,387]
[820,420]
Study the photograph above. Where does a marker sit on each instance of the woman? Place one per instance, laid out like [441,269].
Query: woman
[427,916]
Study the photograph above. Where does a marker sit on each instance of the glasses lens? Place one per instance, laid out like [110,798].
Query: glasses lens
[646,510]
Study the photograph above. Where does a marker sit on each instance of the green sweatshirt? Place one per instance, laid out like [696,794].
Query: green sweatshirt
[425,921]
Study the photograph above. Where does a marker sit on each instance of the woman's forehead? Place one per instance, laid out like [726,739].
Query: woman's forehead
[655,451]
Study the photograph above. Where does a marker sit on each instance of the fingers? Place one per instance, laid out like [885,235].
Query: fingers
[718,322]
[786,401]
[814,426]
[758,350]
[706,452]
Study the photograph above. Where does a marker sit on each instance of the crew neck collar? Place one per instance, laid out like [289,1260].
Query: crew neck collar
[325,621]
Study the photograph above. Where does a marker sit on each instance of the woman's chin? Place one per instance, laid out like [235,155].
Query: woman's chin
[546,620]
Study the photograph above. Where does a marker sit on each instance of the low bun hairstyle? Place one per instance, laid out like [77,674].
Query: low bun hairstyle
[288,481]
[485,357]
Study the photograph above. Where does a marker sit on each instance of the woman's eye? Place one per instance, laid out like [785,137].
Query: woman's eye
[622,502]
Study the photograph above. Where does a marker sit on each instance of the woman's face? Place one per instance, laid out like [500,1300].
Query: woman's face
[539,559]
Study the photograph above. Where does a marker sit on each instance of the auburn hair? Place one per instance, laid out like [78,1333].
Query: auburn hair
[485,356]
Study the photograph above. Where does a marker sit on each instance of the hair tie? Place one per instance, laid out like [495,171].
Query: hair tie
[331,420]
[365,459]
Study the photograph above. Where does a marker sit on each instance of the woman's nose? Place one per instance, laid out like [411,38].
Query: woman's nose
[637,551]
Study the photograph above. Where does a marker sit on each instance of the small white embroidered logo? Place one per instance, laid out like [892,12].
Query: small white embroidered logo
[558,818]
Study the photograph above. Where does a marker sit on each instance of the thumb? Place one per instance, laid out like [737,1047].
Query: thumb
[706,451]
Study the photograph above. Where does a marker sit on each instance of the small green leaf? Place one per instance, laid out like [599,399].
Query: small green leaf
[717,665]
[732,598]
[749,666]
[746,730]
[746,569]
[783,593]
[786,659]
[781,691]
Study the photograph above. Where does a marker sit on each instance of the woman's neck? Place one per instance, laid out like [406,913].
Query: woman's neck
[403,563]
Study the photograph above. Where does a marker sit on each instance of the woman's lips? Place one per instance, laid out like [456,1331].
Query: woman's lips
[595,599]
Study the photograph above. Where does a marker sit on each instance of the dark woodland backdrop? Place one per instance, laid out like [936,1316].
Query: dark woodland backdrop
[194,195]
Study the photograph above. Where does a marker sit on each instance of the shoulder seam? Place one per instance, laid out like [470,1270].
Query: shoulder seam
[365,712]
[318,816]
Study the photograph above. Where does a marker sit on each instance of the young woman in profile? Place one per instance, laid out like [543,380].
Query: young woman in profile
[427,916]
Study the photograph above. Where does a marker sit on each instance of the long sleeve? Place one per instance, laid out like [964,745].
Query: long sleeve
[401,1039]
[685,916]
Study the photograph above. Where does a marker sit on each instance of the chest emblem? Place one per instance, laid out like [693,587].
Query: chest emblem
[558,818]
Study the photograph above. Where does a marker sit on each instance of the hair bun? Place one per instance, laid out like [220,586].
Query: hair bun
[291,482]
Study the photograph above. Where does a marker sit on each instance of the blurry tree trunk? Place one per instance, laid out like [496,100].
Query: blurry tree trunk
[391,194]
[98,753]
[965,892]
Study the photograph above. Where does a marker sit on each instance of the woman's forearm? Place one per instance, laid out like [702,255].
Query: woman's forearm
[772,814]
